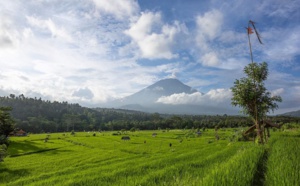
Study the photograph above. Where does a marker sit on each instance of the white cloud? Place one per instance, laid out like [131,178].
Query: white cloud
[210,59]
[209,25]
[120,9]
[84,93]
[283,45]
[277,92]
[213,97]
[9,37]
[173,75]
[208,29]
[50,26]
[280,9]
[154,39]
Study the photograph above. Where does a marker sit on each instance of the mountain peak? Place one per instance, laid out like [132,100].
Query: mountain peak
[170,86]
[168,81]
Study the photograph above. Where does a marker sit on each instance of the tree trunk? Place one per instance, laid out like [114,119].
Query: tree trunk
[259,132]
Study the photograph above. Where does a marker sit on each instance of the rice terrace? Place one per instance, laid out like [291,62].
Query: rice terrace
[149,93]
[174,157]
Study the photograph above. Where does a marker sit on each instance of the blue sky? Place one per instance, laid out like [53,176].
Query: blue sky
[94,51]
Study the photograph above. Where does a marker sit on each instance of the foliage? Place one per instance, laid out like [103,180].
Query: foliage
[6,121]
[132,129]
[3,153]
[6,127]
[252,96]
[250,92]
[238,135]
[4,140]
[37,116]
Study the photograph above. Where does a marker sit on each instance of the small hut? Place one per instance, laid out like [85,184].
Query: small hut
[21,133]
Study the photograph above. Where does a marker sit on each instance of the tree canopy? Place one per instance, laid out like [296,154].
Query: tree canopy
[6,121]
[251,95]
[6,127]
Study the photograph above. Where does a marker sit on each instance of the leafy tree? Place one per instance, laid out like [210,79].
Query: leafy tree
[251,95]
[6,121]
[6,127]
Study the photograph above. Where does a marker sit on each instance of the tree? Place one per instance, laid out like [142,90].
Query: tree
[250,92]
[6,127]
[6,122]
[251,95]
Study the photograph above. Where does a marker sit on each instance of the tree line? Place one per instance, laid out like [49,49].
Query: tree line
[37,116]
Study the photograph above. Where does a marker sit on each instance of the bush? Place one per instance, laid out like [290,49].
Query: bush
[238,135]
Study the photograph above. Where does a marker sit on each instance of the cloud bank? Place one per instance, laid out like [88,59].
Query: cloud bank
[212,98]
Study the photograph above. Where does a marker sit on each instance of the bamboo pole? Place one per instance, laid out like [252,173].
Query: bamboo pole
[257,124]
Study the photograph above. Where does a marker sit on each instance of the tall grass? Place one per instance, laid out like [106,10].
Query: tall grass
[105,159]
[239,170]
[283,167]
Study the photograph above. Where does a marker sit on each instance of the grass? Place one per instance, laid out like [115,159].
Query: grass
[283,166]
[105,159]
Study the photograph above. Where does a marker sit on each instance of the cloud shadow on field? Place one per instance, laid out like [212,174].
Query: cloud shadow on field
[28,148]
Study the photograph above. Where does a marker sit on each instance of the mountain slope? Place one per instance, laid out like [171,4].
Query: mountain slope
[145,100]
[150,95]
[293,113]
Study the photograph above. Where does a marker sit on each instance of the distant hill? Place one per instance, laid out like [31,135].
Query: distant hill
[293,113]
[38,116]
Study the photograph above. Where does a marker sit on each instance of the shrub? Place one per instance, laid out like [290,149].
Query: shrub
[238,135]
[132,129]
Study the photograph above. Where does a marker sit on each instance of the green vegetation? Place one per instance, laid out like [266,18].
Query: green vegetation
[6,127]
[252,96]
[174,157]
[283,166]
[37,116]
[6,122]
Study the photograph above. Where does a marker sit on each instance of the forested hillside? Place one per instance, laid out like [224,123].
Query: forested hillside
[293,114]
[36,115]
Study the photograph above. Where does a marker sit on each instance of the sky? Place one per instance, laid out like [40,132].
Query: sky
[94,51]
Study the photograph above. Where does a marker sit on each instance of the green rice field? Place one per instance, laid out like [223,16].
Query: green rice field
[175,157]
